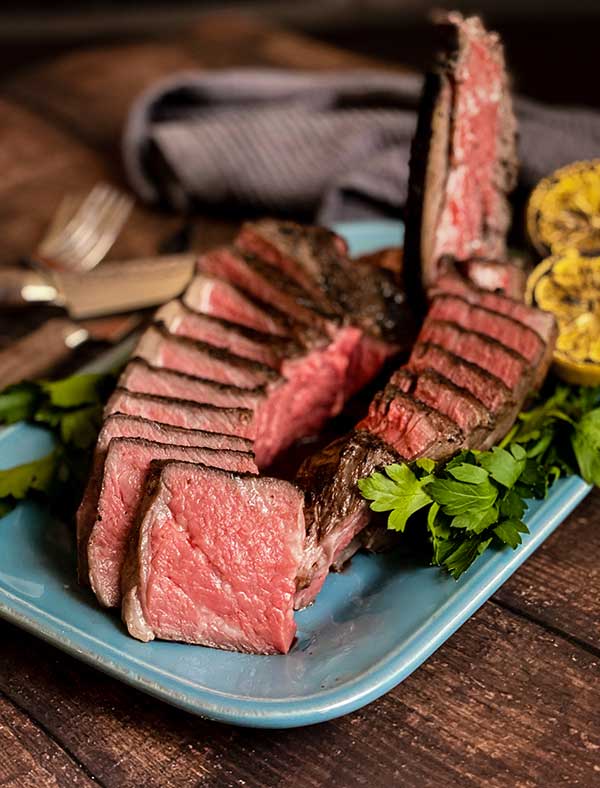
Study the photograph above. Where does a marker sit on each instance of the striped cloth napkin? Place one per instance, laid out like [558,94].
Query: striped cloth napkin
[332,146]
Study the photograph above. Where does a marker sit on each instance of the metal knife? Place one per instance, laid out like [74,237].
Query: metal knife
[113,287]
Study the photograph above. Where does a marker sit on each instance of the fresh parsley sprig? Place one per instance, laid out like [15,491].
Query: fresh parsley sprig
[478,499]
[71,408]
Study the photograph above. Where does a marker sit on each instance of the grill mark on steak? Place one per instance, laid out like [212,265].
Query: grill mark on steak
[223,575]
[162,349]
[126,464]
[481,350]
[182,413]
[240,340]
[144,378]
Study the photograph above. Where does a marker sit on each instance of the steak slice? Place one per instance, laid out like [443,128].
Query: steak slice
[141,377]
[182,413]
[410,427]
[335,511]
[125,469]
[455,402]
[212,296]
[120,426]
[463,159]
[244,342]
[216,560]
[487,353]
[266,283]
[503,328]
[161,349]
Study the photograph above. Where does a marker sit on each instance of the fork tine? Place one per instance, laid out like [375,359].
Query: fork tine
[89,228]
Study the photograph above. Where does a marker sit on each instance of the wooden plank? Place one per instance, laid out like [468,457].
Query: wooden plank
[501,703]
[560,585]
[29,758]
[105,80]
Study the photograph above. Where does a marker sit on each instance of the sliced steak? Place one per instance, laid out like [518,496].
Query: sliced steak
[126,466]
[335,511]
[244,342]
[455,402]
[503,328]
[161,349]
[410,427]
[317,259]
[267,283]
[210,295]
[542,322]
[144,378]
[121,426]
[216,560]
[487,353]
[483,385]
[182,413]
[463,160]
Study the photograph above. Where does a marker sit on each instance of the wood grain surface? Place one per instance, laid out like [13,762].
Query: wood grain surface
[512,699]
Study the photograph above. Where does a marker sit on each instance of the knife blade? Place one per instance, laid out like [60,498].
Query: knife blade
[113,287]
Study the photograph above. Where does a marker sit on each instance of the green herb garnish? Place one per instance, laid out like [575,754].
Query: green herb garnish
[71,409]
[478,499]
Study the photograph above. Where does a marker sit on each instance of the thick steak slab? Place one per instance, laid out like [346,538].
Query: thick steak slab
[125,469]
[216,560]
[121,426]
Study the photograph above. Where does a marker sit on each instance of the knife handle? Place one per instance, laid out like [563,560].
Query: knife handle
[36,353]
[20,287]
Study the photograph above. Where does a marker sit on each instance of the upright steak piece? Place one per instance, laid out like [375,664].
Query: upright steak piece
[144,378]
[212,296]
[118,425]
[216,560]
[160,348]
[182,413]
[125,469]
[463,161]
[245,342]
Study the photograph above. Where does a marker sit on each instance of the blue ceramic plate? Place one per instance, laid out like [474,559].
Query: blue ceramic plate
[370,627]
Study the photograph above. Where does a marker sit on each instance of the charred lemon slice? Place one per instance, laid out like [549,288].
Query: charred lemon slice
[564,210]
[568,285]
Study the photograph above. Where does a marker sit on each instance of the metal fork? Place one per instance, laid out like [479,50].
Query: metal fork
[82,231]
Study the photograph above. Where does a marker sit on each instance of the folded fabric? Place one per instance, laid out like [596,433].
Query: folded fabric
[334,146]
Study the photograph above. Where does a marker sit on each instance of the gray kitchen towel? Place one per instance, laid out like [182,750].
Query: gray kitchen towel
[334,145]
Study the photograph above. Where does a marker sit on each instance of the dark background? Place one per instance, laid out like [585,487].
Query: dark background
[551,44]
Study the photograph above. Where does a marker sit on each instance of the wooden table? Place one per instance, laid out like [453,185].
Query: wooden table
[512,699]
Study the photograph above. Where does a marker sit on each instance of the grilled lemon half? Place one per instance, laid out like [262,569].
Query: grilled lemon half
[568,285]
[564,210]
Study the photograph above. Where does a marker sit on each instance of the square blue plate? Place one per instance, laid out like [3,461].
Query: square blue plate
[370,627]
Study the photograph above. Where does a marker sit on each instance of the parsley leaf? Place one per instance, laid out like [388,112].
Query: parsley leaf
[402,494]
[459,497]
[586,445]
[503,466]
